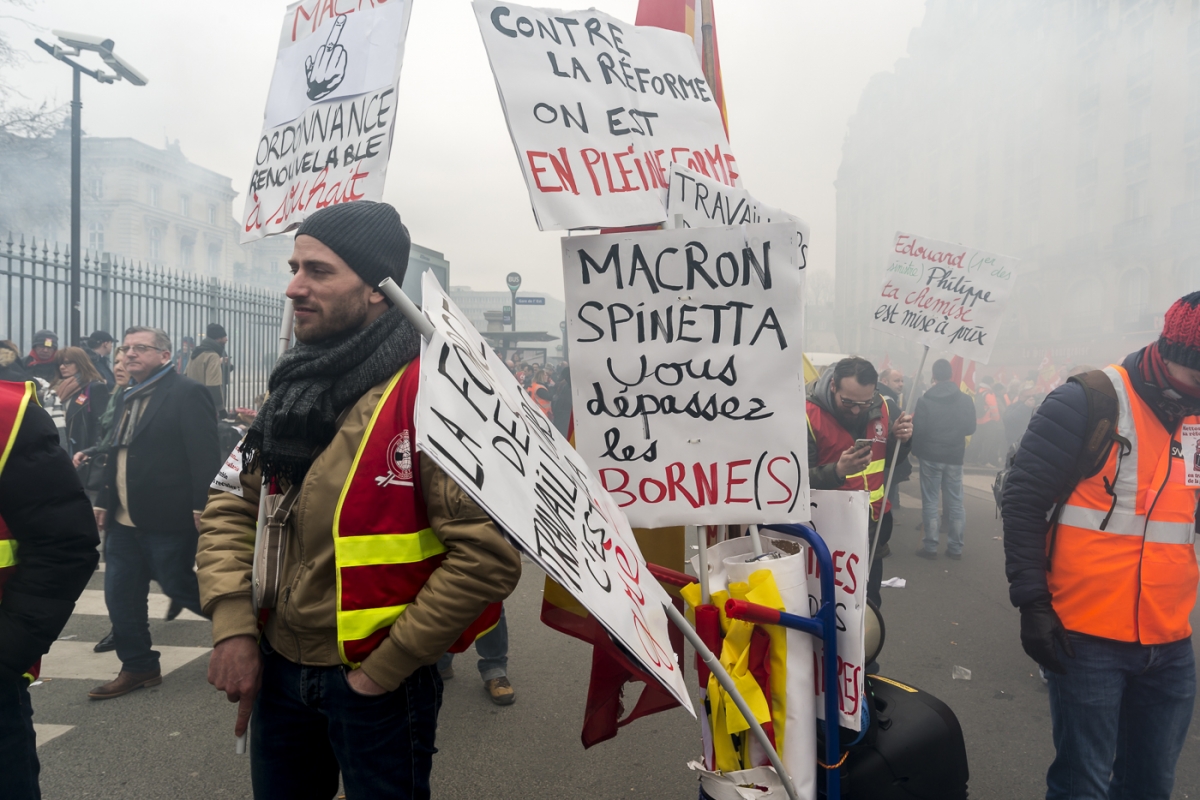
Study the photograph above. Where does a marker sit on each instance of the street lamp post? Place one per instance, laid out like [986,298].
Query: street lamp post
[72,45]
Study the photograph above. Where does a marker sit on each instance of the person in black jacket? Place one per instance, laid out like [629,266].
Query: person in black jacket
[12,367]
[48,515]
[1120,708]
[84,395]
[944,418]
[164,455]
[99,347]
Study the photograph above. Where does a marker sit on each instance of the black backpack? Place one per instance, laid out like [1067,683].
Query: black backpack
[1098,439]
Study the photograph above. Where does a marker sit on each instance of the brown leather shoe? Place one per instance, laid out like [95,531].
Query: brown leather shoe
[125,683]
[501,691]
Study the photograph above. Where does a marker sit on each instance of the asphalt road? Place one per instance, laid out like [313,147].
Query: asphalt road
[175,742]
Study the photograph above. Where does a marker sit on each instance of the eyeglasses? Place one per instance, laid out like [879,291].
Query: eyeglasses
[140,349]
[848,403]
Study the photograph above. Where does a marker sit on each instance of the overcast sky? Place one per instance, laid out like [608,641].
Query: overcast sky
[793,72]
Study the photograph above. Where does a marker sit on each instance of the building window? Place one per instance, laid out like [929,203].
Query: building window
[1134,312]
[212,214]
[97,187]
[274,267]
[96,236]
[214,258]
[185,205]
[1136,205]
[155,238]
[187,249]
[154,193]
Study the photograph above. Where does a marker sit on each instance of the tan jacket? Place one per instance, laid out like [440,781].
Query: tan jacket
[481,567]
[205,369]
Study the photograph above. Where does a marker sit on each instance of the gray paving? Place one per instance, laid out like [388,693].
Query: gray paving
[175,742]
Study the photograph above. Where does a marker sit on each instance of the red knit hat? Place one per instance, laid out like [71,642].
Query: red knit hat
[1180,340]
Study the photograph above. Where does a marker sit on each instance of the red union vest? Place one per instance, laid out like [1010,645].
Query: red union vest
[833,440]
[384,549]
[14,399]
[1123,562]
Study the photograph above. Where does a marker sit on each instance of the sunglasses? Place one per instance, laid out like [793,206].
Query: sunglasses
[848,403]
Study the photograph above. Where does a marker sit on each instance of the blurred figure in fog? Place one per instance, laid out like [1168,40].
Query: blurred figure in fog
[891,386]
[12,367]
[561,401]
[40,361]
[207,365]
[944,418]
[99,347]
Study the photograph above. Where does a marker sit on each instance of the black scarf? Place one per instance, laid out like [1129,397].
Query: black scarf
[313,383]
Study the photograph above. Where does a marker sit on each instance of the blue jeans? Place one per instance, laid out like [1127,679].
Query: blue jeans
[309,726]
[936,478]
[19,775]
[132,558]
[1122,709]
[492,649]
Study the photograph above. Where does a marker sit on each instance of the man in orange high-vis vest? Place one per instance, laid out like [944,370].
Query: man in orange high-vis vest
[384,563]
[48,544]
[844,407]
[1099,539]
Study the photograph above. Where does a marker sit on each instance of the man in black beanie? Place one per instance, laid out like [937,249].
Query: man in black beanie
[387,563]
[209,365]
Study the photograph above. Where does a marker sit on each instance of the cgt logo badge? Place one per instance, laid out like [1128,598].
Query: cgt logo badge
[400,462]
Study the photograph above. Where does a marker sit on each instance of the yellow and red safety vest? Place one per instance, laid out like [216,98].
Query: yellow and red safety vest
[14,399]
[1122,558]
[833,440]
[384,548]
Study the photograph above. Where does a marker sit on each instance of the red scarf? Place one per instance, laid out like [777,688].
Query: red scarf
[35,361]
[1154,370]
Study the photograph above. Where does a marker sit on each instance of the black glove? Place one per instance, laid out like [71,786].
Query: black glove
[1040,631]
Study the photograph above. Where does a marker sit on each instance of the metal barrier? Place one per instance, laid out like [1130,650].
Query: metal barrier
[35,289]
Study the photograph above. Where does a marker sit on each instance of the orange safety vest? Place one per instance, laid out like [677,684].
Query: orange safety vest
[1121,561]
[833,440]
[14,399]
[544,405]
[384,549]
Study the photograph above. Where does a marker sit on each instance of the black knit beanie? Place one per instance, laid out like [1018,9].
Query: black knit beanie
[1180,340]
[368,236]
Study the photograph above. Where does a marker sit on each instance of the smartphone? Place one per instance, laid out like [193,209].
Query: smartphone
[861,444]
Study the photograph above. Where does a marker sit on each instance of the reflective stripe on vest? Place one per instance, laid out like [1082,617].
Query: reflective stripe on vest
[14,399]
[832,440]
[1123,564]
[384,549]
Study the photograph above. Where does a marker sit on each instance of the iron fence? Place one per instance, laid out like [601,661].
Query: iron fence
[35,289]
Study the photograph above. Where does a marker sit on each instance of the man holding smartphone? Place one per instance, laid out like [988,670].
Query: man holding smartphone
[852,431]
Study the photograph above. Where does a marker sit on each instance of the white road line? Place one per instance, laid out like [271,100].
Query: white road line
[75,660]
[47,732]
[91,603]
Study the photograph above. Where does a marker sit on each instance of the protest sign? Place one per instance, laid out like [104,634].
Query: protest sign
[327,130]
[945,296]
[1191,453]
[598,110]
[488,435]
[687,372]
[841,519]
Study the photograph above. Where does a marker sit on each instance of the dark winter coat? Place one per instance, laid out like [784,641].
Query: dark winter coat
[560,405]
[102,366]
[1040,477]
[172,459]
[944,418]
[83,413]
[12,367]
[820,391]
[51,519]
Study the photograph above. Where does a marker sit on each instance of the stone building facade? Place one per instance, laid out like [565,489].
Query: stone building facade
[1063,132]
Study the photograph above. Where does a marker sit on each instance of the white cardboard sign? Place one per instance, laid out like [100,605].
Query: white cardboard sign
[697,201]
[1191,453]
[229,476]
[327,129]
[842,519]
[687,372]
[598,110]
[946,296]
[488,435]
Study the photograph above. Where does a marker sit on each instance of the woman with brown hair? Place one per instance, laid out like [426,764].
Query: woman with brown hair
[84,396]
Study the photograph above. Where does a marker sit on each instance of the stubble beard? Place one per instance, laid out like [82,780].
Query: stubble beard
[347,314]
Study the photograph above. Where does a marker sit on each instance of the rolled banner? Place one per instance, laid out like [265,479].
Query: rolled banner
[779,686]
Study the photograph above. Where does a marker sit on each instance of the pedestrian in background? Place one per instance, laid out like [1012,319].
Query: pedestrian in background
[207,364]
[40,361]
[944,418]
[84,396]
[12,366]
[891,386]
[560,404]
[47,555]
[165,454]
[99,347]
[492,649]
[183,356]
[1106,579]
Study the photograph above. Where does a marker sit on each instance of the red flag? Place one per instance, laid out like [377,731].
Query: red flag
[956,369]
[695,18]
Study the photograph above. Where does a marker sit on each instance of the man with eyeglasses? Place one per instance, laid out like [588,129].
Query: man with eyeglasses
[844,408]
[166,453]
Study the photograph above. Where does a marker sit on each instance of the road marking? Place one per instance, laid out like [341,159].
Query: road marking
[46,732]
[91,603]
[75,660]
